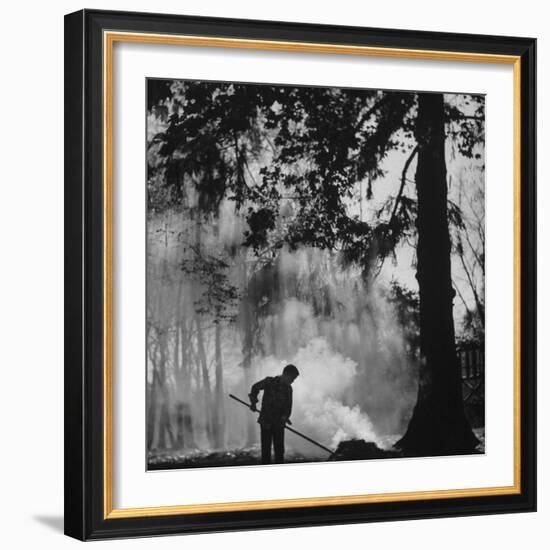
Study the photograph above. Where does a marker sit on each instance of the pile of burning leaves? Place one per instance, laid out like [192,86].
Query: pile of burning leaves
[359,449]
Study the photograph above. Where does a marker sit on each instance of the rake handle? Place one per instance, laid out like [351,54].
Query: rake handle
[300,434]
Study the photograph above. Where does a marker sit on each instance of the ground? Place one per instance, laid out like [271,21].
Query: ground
[355,449]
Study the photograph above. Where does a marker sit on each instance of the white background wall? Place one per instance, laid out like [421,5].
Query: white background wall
[31,277]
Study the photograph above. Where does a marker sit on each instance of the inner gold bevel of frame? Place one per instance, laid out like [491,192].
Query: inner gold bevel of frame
[109,39]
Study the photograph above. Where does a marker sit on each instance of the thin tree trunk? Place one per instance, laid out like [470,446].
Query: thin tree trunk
[178,358]
[247,346]
[188,434]
[168,439]
[180,383]
[219,420]
[479,306]
[152,406]
[163,417]
[205,380]
[438,425]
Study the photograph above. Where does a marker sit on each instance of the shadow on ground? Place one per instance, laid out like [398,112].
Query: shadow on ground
[55,523]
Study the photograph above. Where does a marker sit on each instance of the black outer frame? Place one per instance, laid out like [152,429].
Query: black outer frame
[84,518]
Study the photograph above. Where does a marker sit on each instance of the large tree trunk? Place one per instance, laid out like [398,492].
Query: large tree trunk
[438,425]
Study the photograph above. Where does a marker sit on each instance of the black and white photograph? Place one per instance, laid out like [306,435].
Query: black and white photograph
[315,274]
[271,275]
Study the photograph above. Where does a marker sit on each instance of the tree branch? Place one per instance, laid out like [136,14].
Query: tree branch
[479,306]
[403,182]
[370,111]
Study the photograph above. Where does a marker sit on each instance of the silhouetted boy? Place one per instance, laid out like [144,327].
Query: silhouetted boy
[275,413]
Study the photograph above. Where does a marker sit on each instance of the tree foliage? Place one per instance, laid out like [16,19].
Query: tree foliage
[322,142]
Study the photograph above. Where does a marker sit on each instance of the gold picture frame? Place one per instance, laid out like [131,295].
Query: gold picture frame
[100,29]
